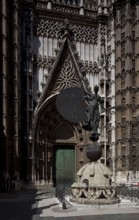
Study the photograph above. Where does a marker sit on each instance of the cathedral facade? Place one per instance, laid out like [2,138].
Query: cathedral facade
[51,45]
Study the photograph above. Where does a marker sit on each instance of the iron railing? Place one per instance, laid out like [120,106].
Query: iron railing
[128,192]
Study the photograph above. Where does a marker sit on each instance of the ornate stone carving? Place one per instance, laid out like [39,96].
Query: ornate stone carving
[64,8]
[41,5]
[90,67]
[67,2]
[90,13]
[91,4]
[85,34]
[50,28]
[44,62]
[67,76]
[47,28]
[103,32]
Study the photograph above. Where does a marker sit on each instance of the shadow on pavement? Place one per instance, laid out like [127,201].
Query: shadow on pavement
[21,205]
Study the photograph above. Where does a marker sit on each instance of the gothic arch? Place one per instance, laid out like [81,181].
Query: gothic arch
[51,130]
[64,132]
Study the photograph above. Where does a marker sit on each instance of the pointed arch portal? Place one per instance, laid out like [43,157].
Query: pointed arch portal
[58,143]
[55,148]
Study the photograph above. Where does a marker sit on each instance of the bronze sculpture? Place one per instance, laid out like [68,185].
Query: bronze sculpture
[93,113]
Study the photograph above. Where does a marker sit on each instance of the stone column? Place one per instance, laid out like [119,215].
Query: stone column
[4,82]
[16,90]
[113,89]
[137,80]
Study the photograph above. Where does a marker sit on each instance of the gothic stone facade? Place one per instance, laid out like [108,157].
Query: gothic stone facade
[39,59]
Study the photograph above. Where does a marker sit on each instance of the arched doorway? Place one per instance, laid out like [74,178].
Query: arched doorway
[56,138]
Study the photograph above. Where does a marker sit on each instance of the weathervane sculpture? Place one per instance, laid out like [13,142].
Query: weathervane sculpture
[93,114]
[94,178]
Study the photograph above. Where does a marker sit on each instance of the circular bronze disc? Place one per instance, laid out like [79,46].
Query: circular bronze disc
[71,105]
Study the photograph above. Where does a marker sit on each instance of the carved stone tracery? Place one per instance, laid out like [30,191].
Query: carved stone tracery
[51,28]
[44,62]
[73,10]
[90,67]
[67,76]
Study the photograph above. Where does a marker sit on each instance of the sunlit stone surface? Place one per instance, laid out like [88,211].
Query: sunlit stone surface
[94,180]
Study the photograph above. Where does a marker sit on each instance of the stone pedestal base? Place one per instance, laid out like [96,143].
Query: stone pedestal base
[95,201]
[94,186]
[94,195]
